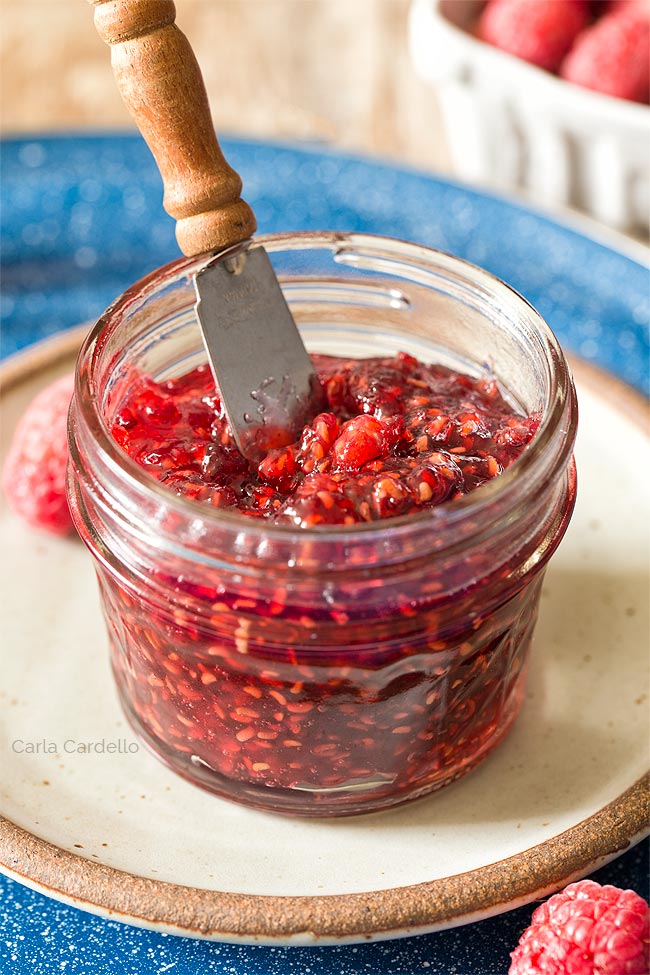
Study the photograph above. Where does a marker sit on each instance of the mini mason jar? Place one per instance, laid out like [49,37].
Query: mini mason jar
[329,670]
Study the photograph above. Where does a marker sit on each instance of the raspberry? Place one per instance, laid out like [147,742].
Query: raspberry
[33,476]
[613,56]
[362,439]
[586,929]
[538,31]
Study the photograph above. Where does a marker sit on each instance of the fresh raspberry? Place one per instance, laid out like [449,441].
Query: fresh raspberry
[538,31]
[586,929]
[33,476]
[613,56]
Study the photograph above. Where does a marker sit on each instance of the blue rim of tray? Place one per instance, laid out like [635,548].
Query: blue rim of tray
[81,219]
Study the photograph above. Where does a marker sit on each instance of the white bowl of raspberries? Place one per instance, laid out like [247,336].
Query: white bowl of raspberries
[550,96]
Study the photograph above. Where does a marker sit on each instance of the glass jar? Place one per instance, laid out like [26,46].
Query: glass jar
[332,670]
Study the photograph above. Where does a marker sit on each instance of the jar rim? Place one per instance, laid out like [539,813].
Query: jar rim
[505,487]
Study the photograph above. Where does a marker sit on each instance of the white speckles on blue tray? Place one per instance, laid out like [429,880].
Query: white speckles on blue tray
[82,218]
[42,937]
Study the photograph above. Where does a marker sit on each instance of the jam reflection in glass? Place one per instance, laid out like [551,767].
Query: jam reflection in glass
[330,700]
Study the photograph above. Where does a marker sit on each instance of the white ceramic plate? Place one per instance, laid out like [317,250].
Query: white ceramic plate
[118,834]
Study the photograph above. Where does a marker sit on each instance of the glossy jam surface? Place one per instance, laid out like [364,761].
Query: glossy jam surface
[399,437]
[310,691]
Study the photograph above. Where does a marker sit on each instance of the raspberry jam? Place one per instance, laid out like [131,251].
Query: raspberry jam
[345,626]
[400,437]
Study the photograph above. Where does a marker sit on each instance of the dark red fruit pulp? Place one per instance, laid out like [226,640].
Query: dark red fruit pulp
[399,437]
[307,702]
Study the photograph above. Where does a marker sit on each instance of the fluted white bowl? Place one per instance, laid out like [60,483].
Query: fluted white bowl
[511,125]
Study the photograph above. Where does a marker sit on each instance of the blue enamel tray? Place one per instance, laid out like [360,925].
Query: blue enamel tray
[82,218]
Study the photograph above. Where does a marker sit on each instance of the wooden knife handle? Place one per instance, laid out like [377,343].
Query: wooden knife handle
[161,84]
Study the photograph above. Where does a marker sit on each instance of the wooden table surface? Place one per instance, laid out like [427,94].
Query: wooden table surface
[332,70]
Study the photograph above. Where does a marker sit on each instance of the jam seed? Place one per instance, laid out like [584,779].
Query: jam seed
[403,729]
[155,725]
[188,693]
[207,678]
[326,499]
[301,707]
[247,712]
[172,668]
[245,734]
[253,691]
[216,651]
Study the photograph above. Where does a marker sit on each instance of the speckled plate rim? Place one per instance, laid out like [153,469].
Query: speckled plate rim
[331,919]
